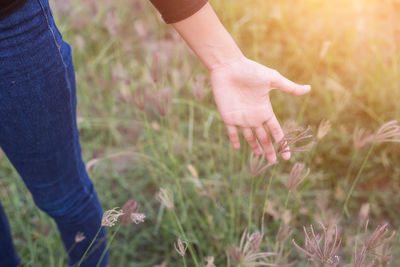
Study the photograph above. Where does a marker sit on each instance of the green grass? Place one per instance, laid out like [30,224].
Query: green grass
[355,84]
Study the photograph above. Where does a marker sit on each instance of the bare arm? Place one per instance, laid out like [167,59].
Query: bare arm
[241,86]
[208,38]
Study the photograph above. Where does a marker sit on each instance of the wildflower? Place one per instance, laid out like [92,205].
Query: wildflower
[380,237]
[327,253]
[166,198]
[210,261]
[323,128]
[137,217]
[387,133]
[296,177]
[110,217]
[258,164]
[361,137]
[131,213]
[248,253]
[163,101]
[79,237]
[292,137]
[180,247]
[140,98]
[281,257]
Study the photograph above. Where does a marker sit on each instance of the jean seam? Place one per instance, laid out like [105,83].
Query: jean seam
[61,58]
[68,84]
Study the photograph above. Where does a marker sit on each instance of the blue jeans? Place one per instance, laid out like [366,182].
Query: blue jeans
[39,134]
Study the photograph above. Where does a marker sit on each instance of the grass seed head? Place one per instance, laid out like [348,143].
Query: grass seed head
[180,247]
[321,247]
[323,129]
[248,253]
[163,100]
[166,198]
[210,261]
[296,176]
[128,208]
[281,258]
[258,164]
[137,217]
[381,237]
[298,135]
[139,99]
[79,237]
[388,133]
[110,217]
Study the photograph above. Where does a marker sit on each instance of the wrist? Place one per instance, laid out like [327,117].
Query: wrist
[222,58]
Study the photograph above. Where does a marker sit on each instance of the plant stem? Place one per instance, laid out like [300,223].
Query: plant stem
[345,209]
[108,245]
[184,236]
[250,203]
[280,224]
[90,245]
[266,198]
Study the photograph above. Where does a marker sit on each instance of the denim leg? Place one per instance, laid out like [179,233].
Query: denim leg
[8,256]
[38,129]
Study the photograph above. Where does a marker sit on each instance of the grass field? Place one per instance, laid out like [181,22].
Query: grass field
[148,121]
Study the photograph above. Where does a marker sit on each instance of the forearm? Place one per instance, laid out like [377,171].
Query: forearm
[208,38]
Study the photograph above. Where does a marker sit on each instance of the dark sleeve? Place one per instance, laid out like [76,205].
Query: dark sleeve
[176,10]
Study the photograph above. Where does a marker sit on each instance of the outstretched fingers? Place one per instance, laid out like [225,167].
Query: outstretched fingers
[233,136]
[252,140]
[266,143]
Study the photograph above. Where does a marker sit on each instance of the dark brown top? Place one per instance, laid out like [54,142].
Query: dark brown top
[7,7]
[170,10]
[177,10]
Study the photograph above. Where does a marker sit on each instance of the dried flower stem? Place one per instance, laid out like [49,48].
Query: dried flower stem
[320,252]
[180,247]
[248,253]
[379,238]
[175,217]
[295,136]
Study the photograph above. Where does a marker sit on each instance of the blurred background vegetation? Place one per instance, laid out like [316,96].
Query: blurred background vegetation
[147,120]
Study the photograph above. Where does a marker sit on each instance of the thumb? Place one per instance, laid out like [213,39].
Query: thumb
[287,86]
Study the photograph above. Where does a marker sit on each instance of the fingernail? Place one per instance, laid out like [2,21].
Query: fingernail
[307,87]
[286,155]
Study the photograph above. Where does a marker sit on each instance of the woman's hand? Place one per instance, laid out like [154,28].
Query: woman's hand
[241,86]
[241,91]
